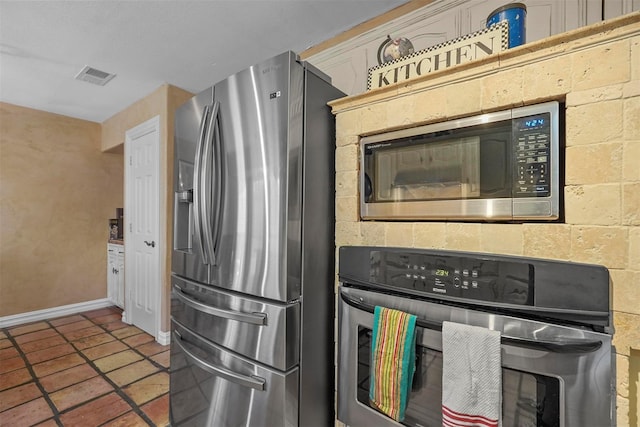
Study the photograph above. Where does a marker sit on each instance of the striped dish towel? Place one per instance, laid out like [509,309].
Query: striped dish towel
[392,361]
[471,376]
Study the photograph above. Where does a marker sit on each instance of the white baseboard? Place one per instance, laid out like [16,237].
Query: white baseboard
[50,313]
[164,338]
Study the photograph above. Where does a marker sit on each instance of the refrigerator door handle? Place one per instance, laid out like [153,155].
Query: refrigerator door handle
[254,382]
[253,318]
[205,177]
[198,181]
[218,182]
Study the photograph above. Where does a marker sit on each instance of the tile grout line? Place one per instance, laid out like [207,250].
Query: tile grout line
[34,378]
[116,389]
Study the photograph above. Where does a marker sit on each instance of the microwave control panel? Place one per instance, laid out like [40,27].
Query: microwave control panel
[501,281]
[532,150]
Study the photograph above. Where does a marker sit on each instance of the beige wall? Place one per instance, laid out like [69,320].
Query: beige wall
[162,102]
[61,179]
[113,129]
[57,193]
[596,70]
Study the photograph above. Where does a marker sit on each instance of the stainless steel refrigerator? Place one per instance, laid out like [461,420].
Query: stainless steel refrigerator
[252,307]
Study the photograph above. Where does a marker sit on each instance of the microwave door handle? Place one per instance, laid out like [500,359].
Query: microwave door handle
[197,182]
[570,345]
[254,382]
[253,318]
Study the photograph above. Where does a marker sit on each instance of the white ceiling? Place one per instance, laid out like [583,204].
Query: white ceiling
[189,44]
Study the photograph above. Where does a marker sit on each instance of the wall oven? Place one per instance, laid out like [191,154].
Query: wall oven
[554,320]
[497,166]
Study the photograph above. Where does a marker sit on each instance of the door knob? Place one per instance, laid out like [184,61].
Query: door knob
[151,243]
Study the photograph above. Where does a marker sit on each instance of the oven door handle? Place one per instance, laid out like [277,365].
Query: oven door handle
[568,345]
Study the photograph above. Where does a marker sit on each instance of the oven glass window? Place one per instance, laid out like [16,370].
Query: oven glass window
[528,400]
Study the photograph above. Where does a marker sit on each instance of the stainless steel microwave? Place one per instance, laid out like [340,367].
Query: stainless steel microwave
[501,166]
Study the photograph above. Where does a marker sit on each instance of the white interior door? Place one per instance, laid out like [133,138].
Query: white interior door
[142,230]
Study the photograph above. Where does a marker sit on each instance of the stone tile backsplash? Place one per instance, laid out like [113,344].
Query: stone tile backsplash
[596,72]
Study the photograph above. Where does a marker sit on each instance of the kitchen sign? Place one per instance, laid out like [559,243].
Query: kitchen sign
[439,57]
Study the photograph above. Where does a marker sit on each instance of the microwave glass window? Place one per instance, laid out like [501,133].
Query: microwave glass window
[463,164]
[443,170]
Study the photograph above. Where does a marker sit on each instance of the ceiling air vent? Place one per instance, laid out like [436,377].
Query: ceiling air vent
[94,76]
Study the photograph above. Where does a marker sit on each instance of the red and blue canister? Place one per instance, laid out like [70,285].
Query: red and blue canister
[515,14]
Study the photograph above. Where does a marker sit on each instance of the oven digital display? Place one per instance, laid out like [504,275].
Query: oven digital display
[441,272]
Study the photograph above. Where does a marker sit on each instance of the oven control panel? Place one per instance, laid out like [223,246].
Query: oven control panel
[454,276]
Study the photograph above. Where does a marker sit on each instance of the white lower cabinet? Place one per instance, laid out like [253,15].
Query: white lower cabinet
[115,274]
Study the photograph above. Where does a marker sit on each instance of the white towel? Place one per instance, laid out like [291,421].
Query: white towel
[471,376]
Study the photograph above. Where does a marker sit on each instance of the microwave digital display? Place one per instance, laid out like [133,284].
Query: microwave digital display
[496,166]
[535,122]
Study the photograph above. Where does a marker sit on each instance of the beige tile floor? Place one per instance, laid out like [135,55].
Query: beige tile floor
[87,369]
